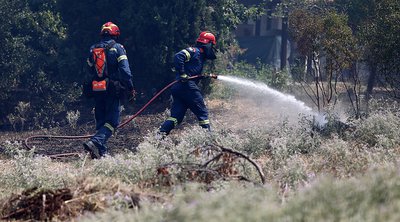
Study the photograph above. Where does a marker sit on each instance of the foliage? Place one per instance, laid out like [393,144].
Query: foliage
[380,128]
[334,174]
[72,118]
[295,158]
[328,47]
[45,45]
[181,160]
[151,31]
[284,148]
[30,43]
[373,197]
[375,24]
[221,91]
[19,116]
[382,42]
[260,72]
[25,170]
[339,157]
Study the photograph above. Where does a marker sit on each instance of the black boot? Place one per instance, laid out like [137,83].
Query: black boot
[92,149]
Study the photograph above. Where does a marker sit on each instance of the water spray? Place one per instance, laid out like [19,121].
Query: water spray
[318,118]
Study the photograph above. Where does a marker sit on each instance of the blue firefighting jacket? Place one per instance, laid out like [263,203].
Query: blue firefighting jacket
[117,62]
[186,94]
[189,61]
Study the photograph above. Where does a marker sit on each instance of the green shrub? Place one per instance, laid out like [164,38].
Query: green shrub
[20,115]
[292,139]
[154,153]
[260,72]
[126,167]
[256,142]
[72,118]
[379,129]
[192,203]
[26,170]
[374,197]
[340,158]
[292,175]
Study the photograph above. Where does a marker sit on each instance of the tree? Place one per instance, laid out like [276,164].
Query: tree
[31,34]
[328,47]
[45,45]
[376,24]
[152,31]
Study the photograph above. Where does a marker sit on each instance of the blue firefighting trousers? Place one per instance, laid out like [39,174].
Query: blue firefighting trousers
[107,115]
[183,99]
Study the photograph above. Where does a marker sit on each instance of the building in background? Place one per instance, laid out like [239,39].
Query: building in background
[262,39]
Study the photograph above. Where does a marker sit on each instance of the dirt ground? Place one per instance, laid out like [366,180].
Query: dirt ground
[240,113]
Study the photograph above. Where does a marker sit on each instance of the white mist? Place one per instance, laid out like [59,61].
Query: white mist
[288,101]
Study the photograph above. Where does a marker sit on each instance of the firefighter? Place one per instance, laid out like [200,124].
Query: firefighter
[111,79]
[185,93]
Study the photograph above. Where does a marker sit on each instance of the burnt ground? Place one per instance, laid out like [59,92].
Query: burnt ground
[236,115]
[127,137]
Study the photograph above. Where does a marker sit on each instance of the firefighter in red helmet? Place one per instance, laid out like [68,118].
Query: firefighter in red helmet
[111,78]
[186,93]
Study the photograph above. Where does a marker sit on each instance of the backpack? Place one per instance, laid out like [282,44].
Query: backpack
[100,82]
[99,55]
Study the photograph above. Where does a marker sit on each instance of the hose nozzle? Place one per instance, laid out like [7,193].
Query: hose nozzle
[214,76]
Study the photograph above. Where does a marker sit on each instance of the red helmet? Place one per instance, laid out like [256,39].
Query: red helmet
[206,37]
[110,29]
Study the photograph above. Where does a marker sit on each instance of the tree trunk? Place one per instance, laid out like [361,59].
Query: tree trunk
[284,45]
[370,84]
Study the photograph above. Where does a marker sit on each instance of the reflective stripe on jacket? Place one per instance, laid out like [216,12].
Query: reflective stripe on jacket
[117,62]
[189,61]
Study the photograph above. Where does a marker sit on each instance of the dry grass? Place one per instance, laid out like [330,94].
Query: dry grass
[294,158]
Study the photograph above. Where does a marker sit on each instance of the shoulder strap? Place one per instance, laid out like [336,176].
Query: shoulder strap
[107,47]
[110,45]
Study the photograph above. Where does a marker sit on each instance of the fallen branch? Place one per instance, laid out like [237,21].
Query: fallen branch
[211,160]
[226,167]
[258,168]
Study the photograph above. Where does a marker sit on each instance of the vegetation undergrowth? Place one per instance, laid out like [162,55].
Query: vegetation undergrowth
[310,174]
[372,197]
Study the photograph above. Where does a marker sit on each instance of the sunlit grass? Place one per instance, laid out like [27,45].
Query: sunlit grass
[309,176]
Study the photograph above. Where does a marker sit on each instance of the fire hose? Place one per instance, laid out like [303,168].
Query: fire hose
[26,141]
